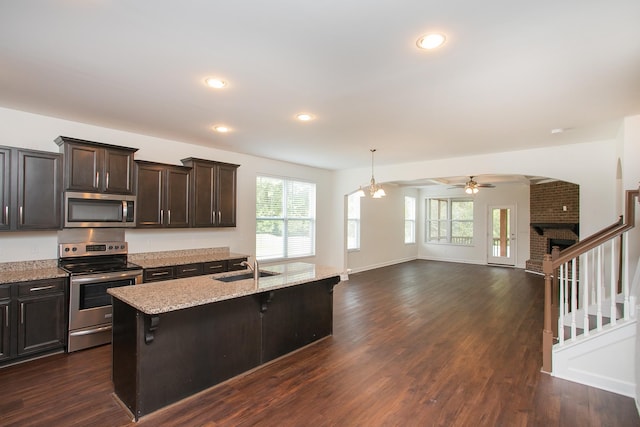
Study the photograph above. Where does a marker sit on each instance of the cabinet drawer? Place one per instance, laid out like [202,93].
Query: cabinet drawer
[188,270]
[41,287]
[158,273]
[5,291]
[213,267]
[236,264]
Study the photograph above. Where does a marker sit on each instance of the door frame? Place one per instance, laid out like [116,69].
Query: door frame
[511,259]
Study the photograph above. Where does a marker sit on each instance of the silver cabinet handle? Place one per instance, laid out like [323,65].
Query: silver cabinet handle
[161,216]
[219,217]
[186,270]
[21,215]
[169,216]
[6,215]
[6,316]
[41,288]
[162,273]
[213,217]
[107,181]
[97,179]
[22,313]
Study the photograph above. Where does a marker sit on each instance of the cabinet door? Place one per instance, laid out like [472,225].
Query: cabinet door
[204,210]
[149,182]
[83,167]
[41,323]
[39,190]
[118,171]
[226,196]
[5,329]
[177,198]
[5,158]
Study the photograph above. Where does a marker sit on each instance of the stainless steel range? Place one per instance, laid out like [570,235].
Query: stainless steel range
[96,260]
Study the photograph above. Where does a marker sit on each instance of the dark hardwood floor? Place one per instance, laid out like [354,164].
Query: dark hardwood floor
[416,344]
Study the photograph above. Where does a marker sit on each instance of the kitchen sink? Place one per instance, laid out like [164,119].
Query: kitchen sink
[244,276]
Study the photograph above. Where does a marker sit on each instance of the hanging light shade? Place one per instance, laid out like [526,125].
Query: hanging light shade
[471,187]
[375,190]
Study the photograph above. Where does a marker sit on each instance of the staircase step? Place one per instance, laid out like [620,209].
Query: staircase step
[579,323]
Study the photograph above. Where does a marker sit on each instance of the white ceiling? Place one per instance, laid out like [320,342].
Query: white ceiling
[509,73]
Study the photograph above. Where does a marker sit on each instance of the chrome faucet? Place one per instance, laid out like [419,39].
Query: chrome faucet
[255,268]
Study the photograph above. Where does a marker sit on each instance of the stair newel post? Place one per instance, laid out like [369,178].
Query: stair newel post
[556,301]
[547,332]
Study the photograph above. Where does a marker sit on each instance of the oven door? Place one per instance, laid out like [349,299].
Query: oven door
[90,306]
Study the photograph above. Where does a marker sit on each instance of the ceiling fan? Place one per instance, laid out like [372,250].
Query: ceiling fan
[472,186]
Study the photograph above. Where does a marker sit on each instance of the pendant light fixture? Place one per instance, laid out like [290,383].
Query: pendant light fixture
[375,190]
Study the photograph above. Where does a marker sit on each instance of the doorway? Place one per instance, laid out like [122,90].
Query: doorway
[502,247]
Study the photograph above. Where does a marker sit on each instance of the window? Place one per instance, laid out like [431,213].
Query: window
[409,219]
[450,221]
[285,218]
[353,221]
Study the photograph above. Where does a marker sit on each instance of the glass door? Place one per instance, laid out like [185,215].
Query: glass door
[502,235]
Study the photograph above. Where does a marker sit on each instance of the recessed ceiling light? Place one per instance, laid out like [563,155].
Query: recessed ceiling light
[430,41]
[304,117]
[215,82]
[221,128]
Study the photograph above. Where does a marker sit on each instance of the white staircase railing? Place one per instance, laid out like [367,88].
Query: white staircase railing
[589,278]
[594,291]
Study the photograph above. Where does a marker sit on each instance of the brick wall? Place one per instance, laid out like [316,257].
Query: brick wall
[546,206]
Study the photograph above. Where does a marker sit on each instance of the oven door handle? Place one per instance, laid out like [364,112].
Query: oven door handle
[94,278]
[90,331]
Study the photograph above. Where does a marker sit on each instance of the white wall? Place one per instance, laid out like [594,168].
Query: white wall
[382,231]
[631,179]
[592,165]
[513,194]
[20,129]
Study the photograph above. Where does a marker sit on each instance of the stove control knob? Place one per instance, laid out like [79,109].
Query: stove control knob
[74,249]
[66,249]
[110,247]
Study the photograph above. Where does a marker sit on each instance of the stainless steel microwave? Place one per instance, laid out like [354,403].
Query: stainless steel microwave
[99,210]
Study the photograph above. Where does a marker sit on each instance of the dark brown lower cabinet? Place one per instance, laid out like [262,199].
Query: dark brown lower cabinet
[160,359]
[156,274]
[34,319]
[41,326]
[5,329]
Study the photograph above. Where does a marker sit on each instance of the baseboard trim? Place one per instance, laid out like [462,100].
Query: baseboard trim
[379,265]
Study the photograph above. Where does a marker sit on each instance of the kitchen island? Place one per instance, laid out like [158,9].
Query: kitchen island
[173,339]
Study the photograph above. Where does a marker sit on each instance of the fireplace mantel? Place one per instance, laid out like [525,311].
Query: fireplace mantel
[541,226]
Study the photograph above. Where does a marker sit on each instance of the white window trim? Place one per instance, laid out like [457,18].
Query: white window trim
[285,220]
[449,221]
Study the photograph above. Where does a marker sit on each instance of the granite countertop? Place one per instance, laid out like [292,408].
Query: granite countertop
[24,271]
[170,295]
[189,256]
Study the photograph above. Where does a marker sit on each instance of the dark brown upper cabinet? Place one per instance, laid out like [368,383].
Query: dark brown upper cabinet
[30,189]
[213,193]
[96,167]
[162,195]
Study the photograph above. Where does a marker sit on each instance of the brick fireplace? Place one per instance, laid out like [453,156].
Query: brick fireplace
[554,217]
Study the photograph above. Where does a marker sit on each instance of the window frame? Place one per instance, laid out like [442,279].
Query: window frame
[354,197]
[287,219]
[448,222]
[410,221]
